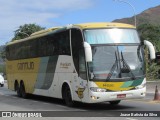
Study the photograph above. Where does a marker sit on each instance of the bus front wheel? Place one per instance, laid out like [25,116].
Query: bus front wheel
[67,96]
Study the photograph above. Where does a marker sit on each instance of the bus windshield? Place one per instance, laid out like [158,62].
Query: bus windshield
[107,36]
[115,61]
[112,62]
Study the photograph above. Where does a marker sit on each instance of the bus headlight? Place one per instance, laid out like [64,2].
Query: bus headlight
[141,86]
[96,89]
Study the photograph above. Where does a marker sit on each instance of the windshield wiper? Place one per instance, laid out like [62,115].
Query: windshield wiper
[123,69]
[112,69]
[126,68]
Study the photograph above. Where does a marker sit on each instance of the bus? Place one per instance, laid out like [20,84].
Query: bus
[88,63]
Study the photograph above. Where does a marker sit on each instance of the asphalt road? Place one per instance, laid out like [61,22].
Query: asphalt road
[55,107]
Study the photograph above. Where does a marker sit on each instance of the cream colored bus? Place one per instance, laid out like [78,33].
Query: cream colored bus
[90,63]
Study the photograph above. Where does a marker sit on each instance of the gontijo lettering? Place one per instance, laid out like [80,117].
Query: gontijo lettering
[25,66]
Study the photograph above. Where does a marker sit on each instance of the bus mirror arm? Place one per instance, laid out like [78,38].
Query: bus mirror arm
[142,43]
[88,52]
[151,49]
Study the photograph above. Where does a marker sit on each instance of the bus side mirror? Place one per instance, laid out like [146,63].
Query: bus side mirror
[151,49]
[88,52]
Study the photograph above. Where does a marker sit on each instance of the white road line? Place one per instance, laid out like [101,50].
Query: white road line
[35,101]
[131,119]
[62,106]
[46,103]
[6,95]
[15,97]
[1,93]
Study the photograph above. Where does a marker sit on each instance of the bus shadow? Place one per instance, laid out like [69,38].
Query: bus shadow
[46,99]
[81,106]
[102,106]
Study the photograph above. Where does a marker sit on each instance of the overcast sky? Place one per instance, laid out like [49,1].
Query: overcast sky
[51,13]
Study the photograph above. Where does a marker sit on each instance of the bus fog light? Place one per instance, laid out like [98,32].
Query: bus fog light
[96,89]
[94,97]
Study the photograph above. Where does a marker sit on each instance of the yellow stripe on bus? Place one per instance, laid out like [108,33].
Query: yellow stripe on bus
[113,86]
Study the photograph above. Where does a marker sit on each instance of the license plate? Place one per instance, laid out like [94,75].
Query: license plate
[121,96]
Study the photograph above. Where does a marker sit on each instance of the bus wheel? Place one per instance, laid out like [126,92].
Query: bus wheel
[22,90]
[67,96]
[115,102]
[17,89]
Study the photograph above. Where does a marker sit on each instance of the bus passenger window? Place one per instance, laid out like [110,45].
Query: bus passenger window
[42,47]
[64,43]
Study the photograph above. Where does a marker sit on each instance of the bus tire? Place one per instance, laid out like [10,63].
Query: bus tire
[23,91]
[115,102]
[67,96]
[17,89]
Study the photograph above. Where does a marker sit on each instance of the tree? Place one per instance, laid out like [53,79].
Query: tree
[152,33]
[26,30]
[2,59]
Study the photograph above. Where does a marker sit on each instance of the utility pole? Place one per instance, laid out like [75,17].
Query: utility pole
[133,8]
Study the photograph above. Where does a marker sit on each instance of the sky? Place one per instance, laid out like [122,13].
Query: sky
[52,13]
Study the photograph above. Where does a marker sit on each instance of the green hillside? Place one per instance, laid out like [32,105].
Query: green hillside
[149,16]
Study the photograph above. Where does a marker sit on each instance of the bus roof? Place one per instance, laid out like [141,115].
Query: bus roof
[105,25]
[81,26]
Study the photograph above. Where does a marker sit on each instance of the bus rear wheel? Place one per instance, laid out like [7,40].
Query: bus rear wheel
[115,102]
[67,96]
[17,89]
[22,91]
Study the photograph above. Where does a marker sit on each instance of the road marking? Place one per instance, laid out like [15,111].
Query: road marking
[62,106]
[154,102]
[6,95]
[146,101]
[35,101]
[1,93]
[15,97]
[46,103]
[131,119]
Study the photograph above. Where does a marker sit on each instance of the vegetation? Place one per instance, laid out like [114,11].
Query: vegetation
[22,32]
[26,30]
[2,58]
[151,33]
[2,68]
[151,15]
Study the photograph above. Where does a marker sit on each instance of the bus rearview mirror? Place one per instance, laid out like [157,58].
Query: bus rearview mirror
[151,49]
[88,52]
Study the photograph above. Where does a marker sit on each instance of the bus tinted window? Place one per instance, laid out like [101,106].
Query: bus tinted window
[54,44]
[78,53]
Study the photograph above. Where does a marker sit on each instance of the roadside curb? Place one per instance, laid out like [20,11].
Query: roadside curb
[152,81]
[150,93]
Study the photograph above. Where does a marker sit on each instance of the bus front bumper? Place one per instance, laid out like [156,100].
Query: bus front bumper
[96,97]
